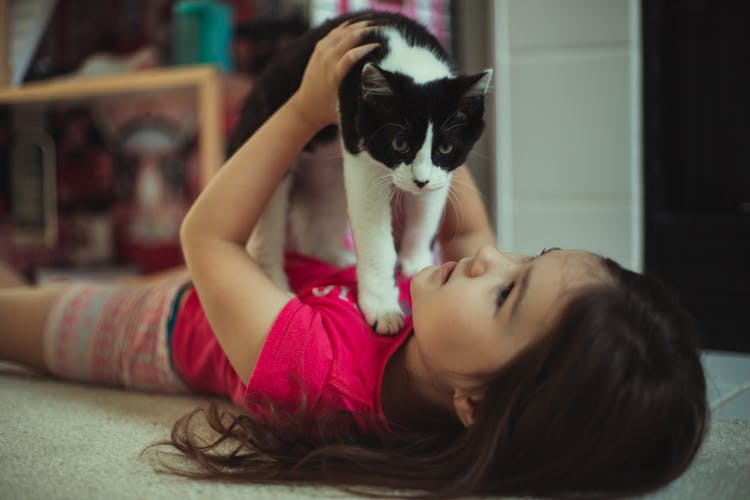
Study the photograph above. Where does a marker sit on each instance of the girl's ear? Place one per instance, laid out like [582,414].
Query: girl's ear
[466,407]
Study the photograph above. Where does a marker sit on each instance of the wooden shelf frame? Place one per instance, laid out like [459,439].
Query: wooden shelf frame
[204,79]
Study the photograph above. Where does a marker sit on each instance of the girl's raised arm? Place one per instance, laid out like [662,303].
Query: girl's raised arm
[240,301]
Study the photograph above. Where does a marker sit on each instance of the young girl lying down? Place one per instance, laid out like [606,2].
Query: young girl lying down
[561,373]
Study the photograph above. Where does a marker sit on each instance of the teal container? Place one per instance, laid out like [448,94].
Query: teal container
[202,33]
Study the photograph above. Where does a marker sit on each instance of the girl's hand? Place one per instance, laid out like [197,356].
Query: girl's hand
[334,55]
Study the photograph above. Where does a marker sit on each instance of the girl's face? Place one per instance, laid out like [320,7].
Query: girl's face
[473,316]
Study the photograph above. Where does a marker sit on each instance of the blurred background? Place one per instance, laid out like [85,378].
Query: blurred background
[617,126]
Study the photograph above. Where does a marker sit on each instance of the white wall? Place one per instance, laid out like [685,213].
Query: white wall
[567,131]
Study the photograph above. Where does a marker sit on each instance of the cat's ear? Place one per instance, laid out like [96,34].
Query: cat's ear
[471,103]
[374,82]
[480,83]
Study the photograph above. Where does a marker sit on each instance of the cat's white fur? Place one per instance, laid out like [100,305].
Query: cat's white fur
[418,62]
[315,194]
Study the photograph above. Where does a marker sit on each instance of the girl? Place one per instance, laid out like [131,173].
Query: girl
[557,374]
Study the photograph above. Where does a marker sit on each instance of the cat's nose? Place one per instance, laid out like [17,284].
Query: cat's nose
[421,184]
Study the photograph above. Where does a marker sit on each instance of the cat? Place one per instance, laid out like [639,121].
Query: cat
[406,122]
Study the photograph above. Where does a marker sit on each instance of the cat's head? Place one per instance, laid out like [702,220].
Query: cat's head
[421,132]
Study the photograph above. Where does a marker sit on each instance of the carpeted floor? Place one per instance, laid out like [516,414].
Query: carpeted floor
[66,441]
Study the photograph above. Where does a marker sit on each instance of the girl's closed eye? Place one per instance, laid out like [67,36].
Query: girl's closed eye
[505,291]
[503,294]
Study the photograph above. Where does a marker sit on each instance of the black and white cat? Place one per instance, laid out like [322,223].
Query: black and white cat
[406,122]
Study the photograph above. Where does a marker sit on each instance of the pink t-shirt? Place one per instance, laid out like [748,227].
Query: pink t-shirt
[319,342]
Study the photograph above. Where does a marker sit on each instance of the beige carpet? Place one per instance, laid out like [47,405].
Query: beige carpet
[66,441]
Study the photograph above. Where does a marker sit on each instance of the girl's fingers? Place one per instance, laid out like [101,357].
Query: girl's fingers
[343,38]
[353,37]
[351,42]
[342,31]
[354,55]
[350,25]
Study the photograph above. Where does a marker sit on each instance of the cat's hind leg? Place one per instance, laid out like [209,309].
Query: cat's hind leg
[268,241]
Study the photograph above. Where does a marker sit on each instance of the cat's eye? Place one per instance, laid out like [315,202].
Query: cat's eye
[399,144]
[445,148]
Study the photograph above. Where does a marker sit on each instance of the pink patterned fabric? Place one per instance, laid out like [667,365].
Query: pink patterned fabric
[115,335]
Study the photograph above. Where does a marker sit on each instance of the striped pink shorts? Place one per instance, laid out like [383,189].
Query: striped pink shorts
[114,335]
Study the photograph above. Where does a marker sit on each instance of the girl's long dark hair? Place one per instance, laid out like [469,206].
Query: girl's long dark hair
[611,402]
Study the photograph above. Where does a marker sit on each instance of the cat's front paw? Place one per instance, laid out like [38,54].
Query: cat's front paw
[389,322]
[412,264]
[382,311]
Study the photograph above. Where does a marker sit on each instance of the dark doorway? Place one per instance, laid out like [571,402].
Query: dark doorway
[696,75]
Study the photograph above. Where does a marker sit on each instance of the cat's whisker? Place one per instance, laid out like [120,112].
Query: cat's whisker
[446,130]
[399,207]
[399,196]
[380,183]
[389,124]
[479,155]
[382,186]
[475,192]
[457,205]
[454,194]
[393,197]
[450,205]
[447,121]
[454,203]
[471,186]
[459,182]
[382,180]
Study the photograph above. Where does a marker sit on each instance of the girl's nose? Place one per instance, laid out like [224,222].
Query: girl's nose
[489,257]
[483,260]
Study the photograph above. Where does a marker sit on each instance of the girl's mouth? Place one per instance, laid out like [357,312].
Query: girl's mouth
[446,270]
